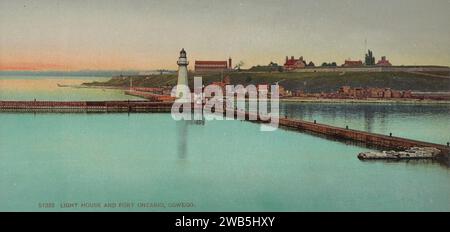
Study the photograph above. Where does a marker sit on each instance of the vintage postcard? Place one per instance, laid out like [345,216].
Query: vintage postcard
[224,106]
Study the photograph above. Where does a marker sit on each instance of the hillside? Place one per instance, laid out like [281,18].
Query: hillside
[309,82]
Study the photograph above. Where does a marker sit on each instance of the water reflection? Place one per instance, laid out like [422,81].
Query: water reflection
[182,132]
[369,117]
[182,139]
[427,122]
[411,162]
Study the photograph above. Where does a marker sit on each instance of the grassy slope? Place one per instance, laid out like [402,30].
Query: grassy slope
[309,82]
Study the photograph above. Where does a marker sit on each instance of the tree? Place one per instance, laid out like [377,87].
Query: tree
[370,59]
[239,65]
[332,64]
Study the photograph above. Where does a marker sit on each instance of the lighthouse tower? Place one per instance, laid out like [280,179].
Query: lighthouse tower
[182,84]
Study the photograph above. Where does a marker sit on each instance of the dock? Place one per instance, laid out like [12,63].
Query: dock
[85,106]
[150,96]
[367,138]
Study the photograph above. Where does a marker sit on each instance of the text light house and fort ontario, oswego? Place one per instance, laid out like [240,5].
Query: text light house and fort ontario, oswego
[182,74]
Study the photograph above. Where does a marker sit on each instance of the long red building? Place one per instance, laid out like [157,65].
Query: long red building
[353,63]
[212,66]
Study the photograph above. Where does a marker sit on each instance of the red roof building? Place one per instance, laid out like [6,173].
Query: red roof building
[292,64]
[212,66]
[353,63]
[384,62]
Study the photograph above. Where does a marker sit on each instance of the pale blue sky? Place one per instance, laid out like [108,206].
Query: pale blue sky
[142,34]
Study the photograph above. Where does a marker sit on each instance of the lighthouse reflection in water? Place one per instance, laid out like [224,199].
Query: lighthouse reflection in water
[183,140]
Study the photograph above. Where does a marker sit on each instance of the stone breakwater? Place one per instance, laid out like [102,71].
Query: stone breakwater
[411,153]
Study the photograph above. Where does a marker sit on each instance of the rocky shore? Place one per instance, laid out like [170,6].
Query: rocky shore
[411,153]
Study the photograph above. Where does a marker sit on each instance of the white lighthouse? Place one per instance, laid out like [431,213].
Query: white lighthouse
[182,85]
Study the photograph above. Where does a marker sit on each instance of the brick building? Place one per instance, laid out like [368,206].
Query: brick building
[353,63]
[292,63]
[358,92]
[212,66]
[384,62]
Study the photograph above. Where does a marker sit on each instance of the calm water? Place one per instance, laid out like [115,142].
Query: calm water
[45,88]
[218,165]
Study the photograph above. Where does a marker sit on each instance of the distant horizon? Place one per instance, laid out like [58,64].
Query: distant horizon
[148,34]
[166,69]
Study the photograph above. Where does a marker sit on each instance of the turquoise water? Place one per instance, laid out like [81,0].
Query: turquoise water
[218,165]
[221,165]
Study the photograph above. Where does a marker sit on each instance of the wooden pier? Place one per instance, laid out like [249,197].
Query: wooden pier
[150,96]
[85,106]
[379,140]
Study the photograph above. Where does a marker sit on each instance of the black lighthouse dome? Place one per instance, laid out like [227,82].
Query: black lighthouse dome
[182,53]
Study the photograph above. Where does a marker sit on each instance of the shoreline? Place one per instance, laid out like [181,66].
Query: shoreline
[315,100]
[82,86]
[374,101]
